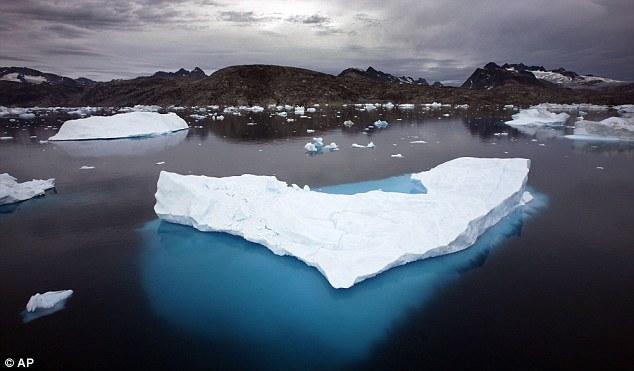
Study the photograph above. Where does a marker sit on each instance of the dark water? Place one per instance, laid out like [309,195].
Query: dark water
[550,286]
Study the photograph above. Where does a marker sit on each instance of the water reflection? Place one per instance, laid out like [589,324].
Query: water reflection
[279,313]
[121,147]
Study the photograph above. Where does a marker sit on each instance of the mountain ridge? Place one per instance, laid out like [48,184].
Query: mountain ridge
[271,84]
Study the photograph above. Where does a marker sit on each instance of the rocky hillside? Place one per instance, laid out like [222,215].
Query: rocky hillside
[493,76]
[196,73]
[375,75]
[267,84]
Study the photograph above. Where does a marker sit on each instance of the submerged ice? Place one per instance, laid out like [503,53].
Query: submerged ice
[124,125]
[350,238]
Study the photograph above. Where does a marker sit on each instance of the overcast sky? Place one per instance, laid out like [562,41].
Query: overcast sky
[435,39]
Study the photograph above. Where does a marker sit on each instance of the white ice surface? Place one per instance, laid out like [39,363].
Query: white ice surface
[125,125]
[11,191]
[47,299]
[611,129]
[538,117]
[350,238]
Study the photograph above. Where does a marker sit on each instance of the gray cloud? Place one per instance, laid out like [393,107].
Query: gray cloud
[436,39]
[314,19]
[244,17]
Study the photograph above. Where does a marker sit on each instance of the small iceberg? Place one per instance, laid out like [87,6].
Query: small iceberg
[350,238]
[317,146]
[380,124]
[370,145]
[11,191]
[124,125]
[611,129]
[40,305]
[538,117]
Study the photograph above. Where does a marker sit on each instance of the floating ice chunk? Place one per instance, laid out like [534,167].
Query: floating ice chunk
[398,155]
[6,138]
[47,300]
[350,238]
[125,125]
[380,124]
[310,131]
[462,106]
[417,141]
[311,109]
[299,110]
[570,107]
[332,147]
[348,123]
[27,116]
[85,167]
[140,108]
[611,129]
[11,191]
[406,106]
[508,106]
[432,105]
[388,105]
[282,114]
[538,117]
[218,118]
[370,145]
[310,147]
[160,163]
[625,108]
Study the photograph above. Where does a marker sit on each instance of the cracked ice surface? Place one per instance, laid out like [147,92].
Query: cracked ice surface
[350,238]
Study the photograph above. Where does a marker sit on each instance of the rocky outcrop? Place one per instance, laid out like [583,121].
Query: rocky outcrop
[493,76]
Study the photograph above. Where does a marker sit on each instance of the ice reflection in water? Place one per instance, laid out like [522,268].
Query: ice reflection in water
[278,312]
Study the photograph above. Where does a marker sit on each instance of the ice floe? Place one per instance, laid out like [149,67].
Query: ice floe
[318,146]
[11,191]
[47,300]
[125,125]
[538,117]
[610,129]
[380,124]
[350,238]
[370,145]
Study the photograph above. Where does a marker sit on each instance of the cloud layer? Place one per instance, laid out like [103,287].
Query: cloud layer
[436,39]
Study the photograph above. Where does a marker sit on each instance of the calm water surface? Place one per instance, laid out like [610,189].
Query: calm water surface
[550,286]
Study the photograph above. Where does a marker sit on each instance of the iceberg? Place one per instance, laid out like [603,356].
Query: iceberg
[318,146]
[125,125]
[611,129]
[380,124]
[11,191]
[350,238]
[538,117]
[47,300]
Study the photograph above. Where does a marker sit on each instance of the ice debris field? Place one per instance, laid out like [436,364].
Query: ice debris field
[350,238]
[123,125]
[609,129]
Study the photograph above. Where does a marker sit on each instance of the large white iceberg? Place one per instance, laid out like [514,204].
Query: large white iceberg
[350,238]
[538,117]
[125,125]
[11,191]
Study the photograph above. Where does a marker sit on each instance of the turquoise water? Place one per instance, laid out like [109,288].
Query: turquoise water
[283,313]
